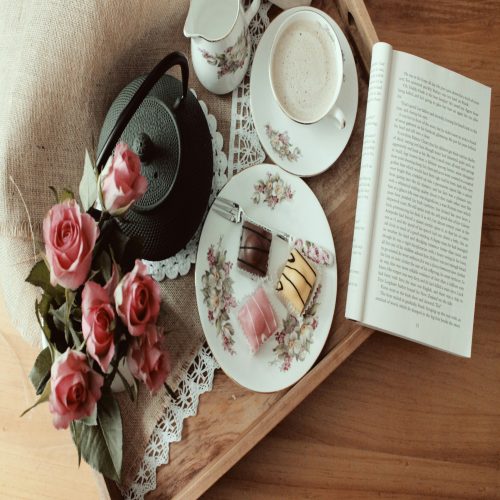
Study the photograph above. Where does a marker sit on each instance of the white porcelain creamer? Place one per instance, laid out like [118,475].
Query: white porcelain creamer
[220,42]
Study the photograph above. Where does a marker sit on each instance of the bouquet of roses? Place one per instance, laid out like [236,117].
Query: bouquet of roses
[98,311]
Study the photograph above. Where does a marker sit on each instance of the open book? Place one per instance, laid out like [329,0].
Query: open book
[420,201]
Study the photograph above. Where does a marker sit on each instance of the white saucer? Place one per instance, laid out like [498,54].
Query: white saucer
[303,150]
[221,287]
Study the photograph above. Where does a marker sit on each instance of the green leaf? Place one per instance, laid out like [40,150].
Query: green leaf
[102,263]
[101,445]
[40,276]
[41,370]
[88,183]
[90,420]
[132,389]
[66,194]
[75,433]
[43,325]
[44,304]
[59,317]
[125,249]
[43,397]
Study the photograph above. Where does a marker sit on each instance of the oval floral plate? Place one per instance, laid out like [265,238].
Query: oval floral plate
[282,201]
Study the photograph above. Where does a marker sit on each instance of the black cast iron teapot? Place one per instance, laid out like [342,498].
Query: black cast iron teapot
[163,122]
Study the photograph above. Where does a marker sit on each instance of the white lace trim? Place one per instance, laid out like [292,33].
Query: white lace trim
[244,151]
[196,381]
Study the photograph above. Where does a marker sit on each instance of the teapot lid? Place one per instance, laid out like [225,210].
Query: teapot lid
[211,19]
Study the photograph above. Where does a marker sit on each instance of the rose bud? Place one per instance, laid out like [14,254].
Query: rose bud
[137,299]
[147,361]
[98,323]
[121,182]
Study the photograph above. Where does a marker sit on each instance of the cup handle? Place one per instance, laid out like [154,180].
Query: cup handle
[338,115]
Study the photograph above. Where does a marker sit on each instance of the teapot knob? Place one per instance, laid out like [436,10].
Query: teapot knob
[143,146]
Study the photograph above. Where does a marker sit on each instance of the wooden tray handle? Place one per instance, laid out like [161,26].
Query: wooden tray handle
[359,24]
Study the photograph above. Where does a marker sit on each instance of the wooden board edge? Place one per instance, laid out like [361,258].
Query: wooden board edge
[359,24]
[257,431]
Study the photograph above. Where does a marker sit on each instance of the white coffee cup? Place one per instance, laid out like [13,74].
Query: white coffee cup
[306,69]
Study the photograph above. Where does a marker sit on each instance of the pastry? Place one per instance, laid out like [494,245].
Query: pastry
[297,281]
[253,255]
[257,319]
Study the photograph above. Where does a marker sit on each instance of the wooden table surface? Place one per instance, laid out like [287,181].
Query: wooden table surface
[396,419]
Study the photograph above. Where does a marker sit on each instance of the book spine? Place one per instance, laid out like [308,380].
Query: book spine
[380,74]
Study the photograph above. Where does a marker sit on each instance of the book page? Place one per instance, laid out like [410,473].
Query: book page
[368,178]
[425,250]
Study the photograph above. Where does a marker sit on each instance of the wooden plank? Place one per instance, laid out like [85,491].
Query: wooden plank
[269,419]
[356,18]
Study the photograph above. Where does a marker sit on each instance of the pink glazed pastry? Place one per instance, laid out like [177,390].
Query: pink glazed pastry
[257,319]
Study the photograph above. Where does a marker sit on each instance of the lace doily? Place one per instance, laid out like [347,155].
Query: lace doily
[244,145]
[180,263]
[244,151]
[195,381]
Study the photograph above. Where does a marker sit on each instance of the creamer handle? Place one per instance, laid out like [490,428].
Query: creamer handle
[251,11]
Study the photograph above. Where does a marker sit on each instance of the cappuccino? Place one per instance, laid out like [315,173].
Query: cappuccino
[304,72]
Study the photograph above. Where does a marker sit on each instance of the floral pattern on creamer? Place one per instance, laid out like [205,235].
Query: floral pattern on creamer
[218,294]
[280,142]
[272,190]
[295,339]
[313,252]
[231,60]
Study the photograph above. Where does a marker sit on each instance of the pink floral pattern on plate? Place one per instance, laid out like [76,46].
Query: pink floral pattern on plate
[218,294]
[314,252]
[229,61]
[280,142]
[272,190]
[296,337]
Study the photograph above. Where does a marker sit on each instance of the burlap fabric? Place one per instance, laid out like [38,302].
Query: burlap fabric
[62,63]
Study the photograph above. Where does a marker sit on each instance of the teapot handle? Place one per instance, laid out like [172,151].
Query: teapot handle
[251,11]
[156,73]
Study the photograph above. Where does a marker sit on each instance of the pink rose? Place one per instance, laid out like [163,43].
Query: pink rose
[69,238]
[137,299]
[121,180]
[75,389]
[98,323]
[147,361]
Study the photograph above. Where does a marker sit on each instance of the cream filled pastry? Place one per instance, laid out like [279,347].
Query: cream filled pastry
[297,281]
[257,319]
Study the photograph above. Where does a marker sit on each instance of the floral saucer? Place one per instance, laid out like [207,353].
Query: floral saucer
[303,150]
[283,201]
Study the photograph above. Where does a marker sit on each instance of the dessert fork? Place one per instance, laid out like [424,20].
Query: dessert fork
[233,212]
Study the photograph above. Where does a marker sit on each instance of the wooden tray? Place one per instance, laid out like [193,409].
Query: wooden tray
[232,420]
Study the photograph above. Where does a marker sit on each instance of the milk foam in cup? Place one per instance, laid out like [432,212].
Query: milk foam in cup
[306,68]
